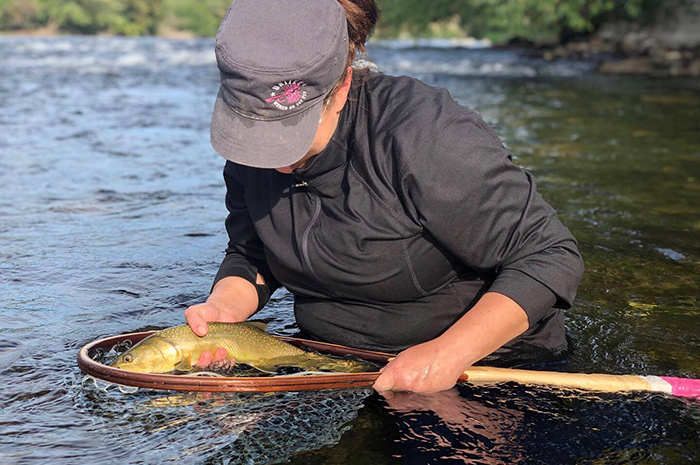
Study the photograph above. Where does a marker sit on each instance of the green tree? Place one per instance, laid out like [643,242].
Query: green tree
[125,17]
[79,16]
[139,17]
[539,21]
[19,14]
[201,17]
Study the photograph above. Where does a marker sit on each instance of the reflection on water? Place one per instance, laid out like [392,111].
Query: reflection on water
[111,221]
[519,425]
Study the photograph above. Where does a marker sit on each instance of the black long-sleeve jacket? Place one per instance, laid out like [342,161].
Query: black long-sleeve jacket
[395,230]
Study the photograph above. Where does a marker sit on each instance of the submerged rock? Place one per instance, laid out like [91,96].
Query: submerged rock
[635,65]
[670,64]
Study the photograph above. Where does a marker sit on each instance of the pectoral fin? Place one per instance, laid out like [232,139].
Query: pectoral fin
[305,362]
[258,324]
[184,365]
[264,367]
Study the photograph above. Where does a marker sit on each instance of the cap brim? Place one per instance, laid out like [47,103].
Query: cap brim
[263,144]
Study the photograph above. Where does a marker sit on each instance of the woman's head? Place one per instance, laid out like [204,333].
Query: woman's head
[280,60]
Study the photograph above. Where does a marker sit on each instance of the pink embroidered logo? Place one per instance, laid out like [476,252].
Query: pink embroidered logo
[288,95]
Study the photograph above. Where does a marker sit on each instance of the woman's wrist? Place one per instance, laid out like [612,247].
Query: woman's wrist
[234,296]
[222,307]
[457,357]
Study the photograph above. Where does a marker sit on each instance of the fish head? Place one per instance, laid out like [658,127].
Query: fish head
[152,355]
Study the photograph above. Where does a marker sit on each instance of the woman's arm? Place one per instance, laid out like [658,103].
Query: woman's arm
[467,194]
[243,283]
[436,365]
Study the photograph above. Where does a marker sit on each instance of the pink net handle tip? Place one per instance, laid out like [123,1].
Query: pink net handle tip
[684,387]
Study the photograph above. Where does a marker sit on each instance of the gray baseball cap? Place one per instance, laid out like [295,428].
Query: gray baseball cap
[278,59]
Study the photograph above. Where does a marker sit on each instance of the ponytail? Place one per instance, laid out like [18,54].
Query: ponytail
[362,18]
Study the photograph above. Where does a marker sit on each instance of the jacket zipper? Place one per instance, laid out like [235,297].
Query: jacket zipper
[305,239]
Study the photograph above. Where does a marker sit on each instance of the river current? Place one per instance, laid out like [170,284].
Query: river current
[111,221]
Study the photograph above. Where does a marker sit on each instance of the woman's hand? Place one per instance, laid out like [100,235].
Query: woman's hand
[217,360]
[199,315]
[424,368]
[436,365]
[232,300]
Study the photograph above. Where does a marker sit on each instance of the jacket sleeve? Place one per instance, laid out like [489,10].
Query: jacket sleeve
[245,256]
[471,197]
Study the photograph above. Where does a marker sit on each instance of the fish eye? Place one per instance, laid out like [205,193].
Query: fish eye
[128,358]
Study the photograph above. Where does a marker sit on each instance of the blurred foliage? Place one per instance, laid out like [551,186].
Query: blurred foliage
[539,21]
[200,17]
[19,14]
[124,17]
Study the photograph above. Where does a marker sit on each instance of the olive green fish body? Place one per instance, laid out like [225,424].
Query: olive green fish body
[179,348]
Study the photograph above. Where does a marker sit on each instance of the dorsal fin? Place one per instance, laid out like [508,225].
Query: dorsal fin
[258,324]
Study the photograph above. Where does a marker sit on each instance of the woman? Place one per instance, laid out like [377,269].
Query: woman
[394,215]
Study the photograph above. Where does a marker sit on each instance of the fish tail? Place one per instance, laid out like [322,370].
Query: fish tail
[346,366]
[320,363]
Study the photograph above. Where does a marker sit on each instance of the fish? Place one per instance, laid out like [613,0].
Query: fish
[177,349]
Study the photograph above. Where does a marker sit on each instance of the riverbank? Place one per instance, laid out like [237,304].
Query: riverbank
[668,46]
[629,50]
[163,33]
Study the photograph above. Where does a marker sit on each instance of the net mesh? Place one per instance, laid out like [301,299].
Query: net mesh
[189,427]
[258,428]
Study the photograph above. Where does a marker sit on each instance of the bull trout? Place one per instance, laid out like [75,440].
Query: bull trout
[178,349]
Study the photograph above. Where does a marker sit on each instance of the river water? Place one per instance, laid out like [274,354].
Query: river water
[111,221]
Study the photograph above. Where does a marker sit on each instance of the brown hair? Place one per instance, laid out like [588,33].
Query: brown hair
[362,18]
